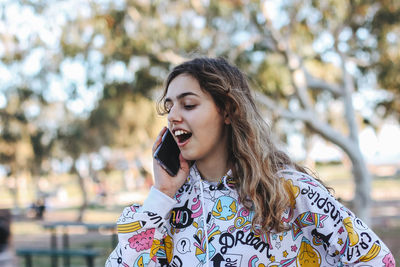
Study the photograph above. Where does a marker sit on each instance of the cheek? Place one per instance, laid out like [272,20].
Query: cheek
[212,122]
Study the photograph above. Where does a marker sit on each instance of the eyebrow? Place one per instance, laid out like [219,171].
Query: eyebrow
[181,96]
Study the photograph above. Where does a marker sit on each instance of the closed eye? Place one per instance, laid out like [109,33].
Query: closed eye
[189,107]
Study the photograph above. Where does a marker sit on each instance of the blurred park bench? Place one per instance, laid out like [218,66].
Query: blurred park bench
[28,253]
[61,231]
[63,228]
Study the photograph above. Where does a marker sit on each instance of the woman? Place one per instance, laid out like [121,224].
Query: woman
[236,200]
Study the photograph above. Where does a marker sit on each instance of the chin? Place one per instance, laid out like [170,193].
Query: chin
[188,156]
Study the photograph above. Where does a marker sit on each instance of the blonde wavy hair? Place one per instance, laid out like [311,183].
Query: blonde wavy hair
[254,157]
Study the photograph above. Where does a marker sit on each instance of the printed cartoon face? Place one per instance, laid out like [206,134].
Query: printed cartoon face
[353,236]
[308,256]
[181,217]
[224,208]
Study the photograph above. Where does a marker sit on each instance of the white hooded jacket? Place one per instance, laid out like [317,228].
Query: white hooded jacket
[205,225]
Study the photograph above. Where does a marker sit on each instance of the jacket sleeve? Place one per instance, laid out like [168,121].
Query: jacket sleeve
[141,230]
[358,245]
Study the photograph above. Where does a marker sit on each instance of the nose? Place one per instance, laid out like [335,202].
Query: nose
[174,115]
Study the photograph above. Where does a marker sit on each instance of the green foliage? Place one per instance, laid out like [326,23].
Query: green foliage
[386,27]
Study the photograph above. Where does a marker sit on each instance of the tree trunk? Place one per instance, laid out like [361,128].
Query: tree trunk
[84,194]
[362,198]
[13,189]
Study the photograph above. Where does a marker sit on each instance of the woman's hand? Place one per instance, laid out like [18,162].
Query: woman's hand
[162,180]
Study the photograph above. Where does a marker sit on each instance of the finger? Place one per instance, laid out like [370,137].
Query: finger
[159,139]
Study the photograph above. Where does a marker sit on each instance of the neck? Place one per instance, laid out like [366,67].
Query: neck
[212,170]
[215,165]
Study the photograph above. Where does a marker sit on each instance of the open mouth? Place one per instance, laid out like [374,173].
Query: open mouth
[182,136]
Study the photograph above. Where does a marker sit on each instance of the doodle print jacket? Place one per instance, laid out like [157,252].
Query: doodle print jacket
[205,225]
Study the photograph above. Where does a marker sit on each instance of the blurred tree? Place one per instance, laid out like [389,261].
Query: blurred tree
[81,65]
[26,144]
[314,57]
[75,140]
[12,127]
[307,58]
[385,27]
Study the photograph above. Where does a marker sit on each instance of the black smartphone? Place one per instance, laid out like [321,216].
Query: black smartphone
[167,154]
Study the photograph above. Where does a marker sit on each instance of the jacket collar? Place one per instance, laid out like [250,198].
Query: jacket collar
[227,181]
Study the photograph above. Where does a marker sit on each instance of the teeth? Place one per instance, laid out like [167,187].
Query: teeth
[180,132]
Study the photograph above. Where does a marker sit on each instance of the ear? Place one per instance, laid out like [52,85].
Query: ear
[227,120]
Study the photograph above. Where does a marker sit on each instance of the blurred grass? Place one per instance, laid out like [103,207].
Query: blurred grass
[56,184]
[340,178]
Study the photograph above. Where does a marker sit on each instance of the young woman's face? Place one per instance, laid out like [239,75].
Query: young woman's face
[195,121]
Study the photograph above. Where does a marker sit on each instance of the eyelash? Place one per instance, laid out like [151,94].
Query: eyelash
[189,107]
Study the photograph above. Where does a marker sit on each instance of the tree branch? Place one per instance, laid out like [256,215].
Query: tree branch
[309,118]
[316,83]
[170,56]
[296,67]
[300,80]
[233,53]
[279,110]
[262,30]
[348,89]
